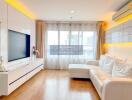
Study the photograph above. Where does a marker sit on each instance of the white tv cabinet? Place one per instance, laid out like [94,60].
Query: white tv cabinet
[12,79]
[18,72]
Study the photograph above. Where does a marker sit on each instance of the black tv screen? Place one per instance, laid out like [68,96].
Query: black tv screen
[18,45]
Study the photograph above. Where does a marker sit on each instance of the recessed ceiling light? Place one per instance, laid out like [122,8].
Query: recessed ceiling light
[72,11]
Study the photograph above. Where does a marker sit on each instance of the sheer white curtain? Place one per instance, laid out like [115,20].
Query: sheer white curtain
[69,43]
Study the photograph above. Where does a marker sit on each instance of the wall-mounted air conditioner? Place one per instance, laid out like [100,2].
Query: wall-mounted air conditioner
[123,12]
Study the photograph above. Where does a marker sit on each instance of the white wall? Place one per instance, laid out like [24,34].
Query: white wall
[3,30]
[120,34]
[14,20]
[20,23]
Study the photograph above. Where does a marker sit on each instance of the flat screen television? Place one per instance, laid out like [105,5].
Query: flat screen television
[18,45]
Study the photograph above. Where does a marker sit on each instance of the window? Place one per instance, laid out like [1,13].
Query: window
[65,39]
[67,45]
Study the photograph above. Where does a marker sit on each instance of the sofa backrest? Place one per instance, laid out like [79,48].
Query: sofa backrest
[115,66]
[106,63]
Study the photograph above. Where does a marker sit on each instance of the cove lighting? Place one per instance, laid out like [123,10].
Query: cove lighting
[124,19]
[121,21]
[118,44]
[20,7]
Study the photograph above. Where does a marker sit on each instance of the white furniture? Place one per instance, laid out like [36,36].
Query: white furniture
[108,87]
[12,79]
[12,19]
[21,70]
[79,70]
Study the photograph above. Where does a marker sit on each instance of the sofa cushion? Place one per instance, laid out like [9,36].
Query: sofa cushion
[93,62]
[102,60]
[119,59]
[122,69]
[98,76]
[80,70]
[106,63]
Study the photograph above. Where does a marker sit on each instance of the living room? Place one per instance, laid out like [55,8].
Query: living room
[65,50]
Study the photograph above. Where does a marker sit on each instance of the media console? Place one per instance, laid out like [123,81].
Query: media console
[11,80]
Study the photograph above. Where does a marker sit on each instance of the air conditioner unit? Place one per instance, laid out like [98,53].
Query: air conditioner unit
[123,12]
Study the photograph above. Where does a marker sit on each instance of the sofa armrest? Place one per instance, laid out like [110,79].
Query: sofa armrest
[93,62]
[117,89]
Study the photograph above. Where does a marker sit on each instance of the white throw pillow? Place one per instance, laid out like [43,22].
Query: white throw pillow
[102,60]
[120,60]
[108,65]
[122,69]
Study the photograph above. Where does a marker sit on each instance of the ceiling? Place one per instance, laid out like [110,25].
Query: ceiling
[73,10]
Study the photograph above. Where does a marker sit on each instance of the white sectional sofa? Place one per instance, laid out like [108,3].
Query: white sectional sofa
[114,84]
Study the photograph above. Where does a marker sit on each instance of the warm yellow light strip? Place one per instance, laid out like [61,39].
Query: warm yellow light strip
[124,19]
[121,21]
[118,44]
[20,7]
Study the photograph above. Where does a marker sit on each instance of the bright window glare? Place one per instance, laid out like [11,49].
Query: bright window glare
[64,37]
[52,37]
[84,38]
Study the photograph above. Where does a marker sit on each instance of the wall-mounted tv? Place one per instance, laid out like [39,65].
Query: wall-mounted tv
[18,45]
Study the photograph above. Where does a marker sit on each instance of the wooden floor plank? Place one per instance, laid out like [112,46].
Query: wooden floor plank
[54,85]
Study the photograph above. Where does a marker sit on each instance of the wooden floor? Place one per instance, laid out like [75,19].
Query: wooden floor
[54,85]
